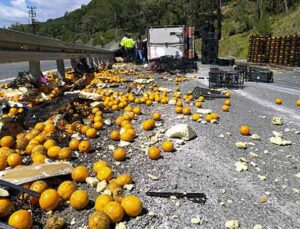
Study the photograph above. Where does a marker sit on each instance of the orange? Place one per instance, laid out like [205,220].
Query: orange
[49,128]
[186,111]
[225,108]
[49,200]
[6,207]
[179,103]
[49,143]
[84,146]
[98,125]
[83,129]
[98,220]
[227,102]
[245,130]
[215,116]
[80,173]
[99,164]
[14,160]
[38,158]
[95,110]
[7,141]
[123,179]
[79,199]
[201,98]
[39,126]
[154,153]
[104,173]
[227,94]
[137,110]
[167,146]
[39,187]
[119,154]
[74,144]
[178,110]
[278,101]
[127,136]
[101,201]
[38,148]
[91,133]
[196,117]
[148,124]
[53,151]
[20,219]
[198,104]
[208,117]
[132,205]
[115,135]
[298,102]
[65,153]
[156,116]
[114,211]
[65,189]
[3,162]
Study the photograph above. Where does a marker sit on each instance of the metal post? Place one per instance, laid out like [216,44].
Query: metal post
[60,68]
[91,62]
[35,69]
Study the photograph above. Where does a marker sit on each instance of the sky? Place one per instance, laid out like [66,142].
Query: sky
[13,11]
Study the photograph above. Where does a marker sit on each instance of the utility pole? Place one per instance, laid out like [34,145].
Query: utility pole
[32,17]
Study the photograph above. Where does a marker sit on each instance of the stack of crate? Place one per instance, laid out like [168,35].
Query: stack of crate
[275,50]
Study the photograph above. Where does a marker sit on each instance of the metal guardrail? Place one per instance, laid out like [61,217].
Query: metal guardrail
[17,46]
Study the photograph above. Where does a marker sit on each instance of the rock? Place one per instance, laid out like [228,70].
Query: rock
[204,111]
[128,187]
[262,199]
[262,178]
[3,193]
[123,144]
[278,139]
[92,181]
[277,121]
[232,224]
[107,122]
[151,213]
[73,221]
[255,137]
[196,220]
[257,226]
[182,131]
[153,177]
[101,186]
[241,145]
[120,225]
[241,166]
[172,102]
[252,154]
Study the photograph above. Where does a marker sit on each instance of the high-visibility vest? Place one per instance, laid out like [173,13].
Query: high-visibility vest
[122,43]
[129,43]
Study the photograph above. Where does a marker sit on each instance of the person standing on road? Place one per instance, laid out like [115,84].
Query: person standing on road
[129,47]
[122,45]
[139,52]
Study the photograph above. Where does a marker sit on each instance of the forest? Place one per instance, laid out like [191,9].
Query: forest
[104,21]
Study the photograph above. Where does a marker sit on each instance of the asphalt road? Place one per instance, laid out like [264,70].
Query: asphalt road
[207,164]
[9,71]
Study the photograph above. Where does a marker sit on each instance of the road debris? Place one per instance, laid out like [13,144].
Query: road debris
[241,145]
[278,139]
[277,121]
[232,224]
[241,166]
[182,131]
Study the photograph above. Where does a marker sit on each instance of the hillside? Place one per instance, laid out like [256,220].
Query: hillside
[103,21]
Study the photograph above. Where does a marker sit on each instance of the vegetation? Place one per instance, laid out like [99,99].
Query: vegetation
[103,21]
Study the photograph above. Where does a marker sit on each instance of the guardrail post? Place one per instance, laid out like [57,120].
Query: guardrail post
[96,61]
[35,69]
[91,62]
[60,68]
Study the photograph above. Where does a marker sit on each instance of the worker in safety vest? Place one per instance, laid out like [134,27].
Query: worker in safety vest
[122,45]
[129,47]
